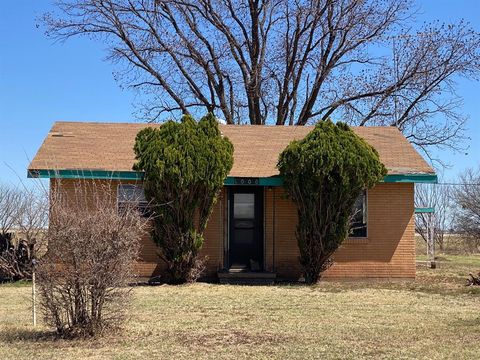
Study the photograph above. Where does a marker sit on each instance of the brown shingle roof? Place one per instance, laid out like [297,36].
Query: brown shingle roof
[109,146]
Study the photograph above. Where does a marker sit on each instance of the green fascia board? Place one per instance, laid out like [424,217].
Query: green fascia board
[263,181]
[125,175]
[85,174]
[423,210]
[411,178]
[230,180]
[271,181]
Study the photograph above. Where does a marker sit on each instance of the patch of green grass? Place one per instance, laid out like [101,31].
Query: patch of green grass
[452,269]
[21,283]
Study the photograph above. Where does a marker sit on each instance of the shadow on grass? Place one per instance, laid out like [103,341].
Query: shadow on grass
[52,338]
[28,335]
[471,322]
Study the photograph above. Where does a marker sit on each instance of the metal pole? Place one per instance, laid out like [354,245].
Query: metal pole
[433,265]
[34,303]
[34,309]
[428,241]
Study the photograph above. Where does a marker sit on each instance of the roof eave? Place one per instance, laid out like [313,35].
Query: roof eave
[230,180]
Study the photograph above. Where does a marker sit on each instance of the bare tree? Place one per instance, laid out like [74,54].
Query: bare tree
[10,254]
[10,204]
[24,215]
[284,61]
[467,211]
[440,198]
[32,220]
[92,248]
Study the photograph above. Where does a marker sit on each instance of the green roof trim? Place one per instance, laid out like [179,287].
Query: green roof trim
[85,174]
[411,178]
[271,181]
[231,180]
[423,210]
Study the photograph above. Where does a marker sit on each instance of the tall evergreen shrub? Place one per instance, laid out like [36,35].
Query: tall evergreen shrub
[185,165]
[324,173]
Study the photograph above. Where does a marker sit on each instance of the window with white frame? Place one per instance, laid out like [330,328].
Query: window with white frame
[131,195]
[358,227]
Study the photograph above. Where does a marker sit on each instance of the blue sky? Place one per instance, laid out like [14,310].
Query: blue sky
[41,82]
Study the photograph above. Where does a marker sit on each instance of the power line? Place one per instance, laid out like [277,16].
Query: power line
[458,184]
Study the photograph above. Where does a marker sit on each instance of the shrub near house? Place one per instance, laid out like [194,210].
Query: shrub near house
[185,165]
[92,249]
[324,174]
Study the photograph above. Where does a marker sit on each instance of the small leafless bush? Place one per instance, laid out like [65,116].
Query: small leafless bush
[469,244]
[83,278]
[199,267]
[460,244]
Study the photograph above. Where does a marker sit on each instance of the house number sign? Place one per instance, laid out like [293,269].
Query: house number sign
[246,181]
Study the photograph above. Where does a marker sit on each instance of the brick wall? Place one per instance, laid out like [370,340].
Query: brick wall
[215,235]
[150,263]
[387,252]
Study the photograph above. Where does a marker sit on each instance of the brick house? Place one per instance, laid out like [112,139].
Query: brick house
[252,227]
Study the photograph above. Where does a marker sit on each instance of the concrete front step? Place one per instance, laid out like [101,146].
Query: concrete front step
[247,278]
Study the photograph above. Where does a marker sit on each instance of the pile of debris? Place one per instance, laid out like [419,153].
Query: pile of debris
[473,280]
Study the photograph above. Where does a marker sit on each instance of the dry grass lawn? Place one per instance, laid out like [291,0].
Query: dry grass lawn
[432,318]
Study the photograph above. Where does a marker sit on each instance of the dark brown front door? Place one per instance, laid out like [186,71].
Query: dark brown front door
[246,228]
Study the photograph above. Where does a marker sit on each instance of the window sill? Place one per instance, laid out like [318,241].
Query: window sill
[356,240]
